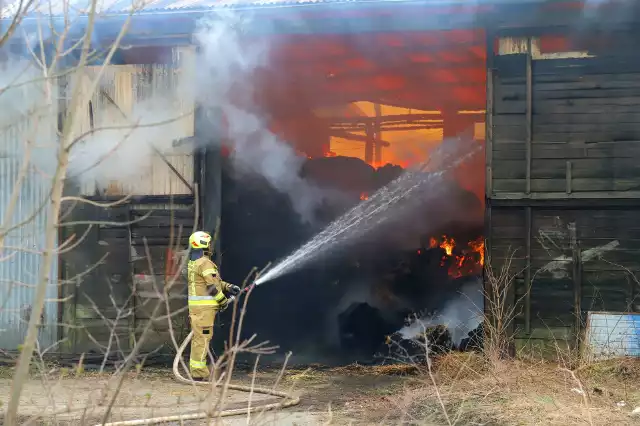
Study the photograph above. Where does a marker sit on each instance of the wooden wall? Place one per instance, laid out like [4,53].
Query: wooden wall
[563,183]
[542,243]
[584,125]
[115,275]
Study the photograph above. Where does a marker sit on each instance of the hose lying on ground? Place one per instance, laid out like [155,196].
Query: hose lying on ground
[288,400]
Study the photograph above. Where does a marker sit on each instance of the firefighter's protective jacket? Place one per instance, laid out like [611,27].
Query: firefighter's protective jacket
[205,285]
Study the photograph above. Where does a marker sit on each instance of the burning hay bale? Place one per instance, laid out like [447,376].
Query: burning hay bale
[344,173]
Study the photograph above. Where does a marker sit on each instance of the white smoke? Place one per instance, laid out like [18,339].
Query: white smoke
[461,315]
[226,68]
[123,147]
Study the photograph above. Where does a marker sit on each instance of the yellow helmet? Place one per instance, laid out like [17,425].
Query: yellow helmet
[200,240]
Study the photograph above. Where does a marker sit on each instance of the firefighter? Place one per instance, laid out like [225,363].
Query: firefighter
[206,297]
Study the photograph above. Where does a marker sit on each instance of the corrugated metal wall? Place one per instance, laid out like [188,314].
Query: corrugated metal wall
[131,88]
[28,123]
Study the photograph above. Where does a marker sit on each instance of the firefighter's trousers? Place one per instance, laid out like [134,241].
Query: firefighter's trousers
[202,318]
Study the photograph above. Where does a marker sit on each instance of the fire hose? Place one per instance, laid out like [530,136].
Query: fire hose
[287,400]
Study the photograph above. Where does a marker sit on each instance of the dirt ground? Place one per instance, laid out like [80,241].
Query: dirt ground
[467,392]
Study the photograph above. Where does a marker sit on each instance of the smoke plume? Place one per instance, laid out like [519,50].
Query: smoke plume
[462,314]
[125,154]
[226,65]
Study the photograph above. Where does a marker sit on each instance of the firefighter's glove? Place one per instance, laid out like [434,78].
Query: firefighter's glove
[223,303]
[234,290]
[220,300]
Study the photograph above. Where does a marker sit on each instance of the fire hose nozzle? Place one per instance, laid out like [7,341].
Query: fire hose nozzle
[244,290]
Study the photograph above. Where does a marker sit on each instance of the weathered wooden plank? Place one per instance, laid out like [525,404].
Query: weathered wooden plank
[509,217]
[509,185]
[624,168]
[151,284]
[507,93]
[159,241]
[610,278]
[573,81]
[608,64]
[92,331]
[626,213]
[145,307]
[118,307]
[507,250]
[155,232]
[568,119]
[571,150]
[510,66]
[613,127]
[507,232]
[500,120]
[586,133]
[541,330]
[578,184]
[594,236]
[589,82]
[163,214]
[160,340]
[510,169]
[155,253]
[164,220]
[509,152]
[570,106]
[114,233]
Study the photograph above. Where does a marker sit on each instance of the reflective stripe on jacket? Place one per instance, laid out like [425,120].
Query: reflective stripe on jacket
[206,300]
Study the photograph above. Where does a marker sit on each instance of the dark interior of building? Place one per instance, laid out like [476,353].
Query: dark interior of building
[360,110]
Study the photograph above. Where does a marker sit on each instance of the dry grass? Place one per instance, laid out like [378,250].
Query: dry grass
[377,370]
[517,393]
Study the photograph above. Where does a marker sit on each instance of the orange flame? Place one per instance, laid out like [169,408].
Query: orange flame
[461,260]
[364,196]
[478,247]
[447,245]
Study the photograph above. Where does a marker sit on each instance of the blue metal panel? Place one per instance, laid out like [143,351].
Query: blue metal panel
[613,334]
[26,118]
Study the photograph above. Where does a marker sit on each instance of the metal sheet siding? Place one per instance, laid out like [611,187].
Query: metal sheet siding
[26,116]
[613,334]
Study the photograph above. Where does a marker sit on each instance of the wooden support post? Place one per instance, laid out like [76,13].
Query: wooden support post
[529,112]
[527,273]
[378,135]
[488,138]
[368,146]
[634,299]
[67,304]
[577,281]
[132,318]
[488,262]
[568,177]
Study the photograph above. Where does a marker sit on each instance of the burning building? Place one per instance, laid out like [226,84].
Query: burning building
[347,97]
